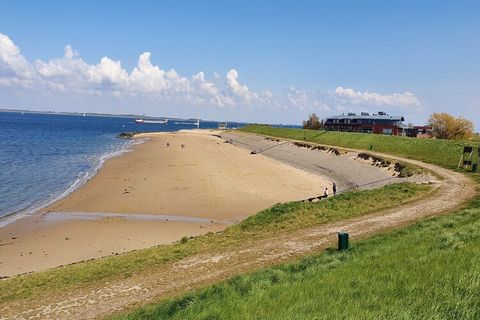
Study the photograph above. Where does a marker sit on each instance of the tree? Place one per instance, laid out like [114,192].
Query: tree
[445,126]
[313,122]
[476,136]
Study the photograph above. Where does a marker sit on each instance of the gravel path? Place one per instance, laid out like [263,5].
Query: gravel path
[87,303]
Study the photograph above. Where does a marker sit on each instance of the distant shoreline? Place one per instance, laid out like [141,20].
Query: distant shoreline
[93,114]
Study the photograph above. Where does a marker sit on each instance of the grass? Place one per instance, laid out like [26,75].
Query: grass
[429,270]
[279,218]
[296,215]
[445,153]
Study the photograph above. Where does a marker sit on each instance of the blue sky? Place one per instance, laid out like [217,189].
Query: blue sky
[265,61]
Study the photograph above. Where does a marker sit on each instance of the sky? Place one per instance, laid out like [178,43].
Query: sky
[255,61]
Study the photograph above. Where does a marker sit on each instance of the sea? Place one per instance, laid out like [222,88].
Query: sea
[44,157]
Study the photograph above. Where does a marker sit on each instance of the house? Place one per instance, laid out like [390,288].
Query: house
[418,132]
[378,123]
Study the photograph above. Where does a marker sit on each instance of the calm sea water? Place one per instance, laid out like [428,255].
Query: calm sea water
[45,156]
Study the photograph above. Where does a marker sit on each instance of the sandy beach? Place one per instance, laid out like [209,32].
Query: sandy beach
[153,195]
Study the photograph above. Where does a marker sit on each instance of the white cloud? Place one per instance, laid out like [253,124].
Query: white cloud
[237,89]
[208,93]
[149,79]
[73,77]
[13,66]
[72,74]
[243,93]
[306,101]
[350,96]
[110,71]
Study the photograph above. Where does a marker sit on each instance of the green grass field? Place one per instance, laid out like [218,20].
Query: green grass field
[279,218]
[430,270]
[445,153]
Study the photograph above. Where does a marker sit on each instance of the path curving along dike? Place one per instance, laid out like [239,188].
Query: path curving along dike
[452,191]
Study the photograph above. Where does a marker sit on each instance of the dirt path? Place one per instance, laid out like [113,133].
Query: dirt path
[87,303]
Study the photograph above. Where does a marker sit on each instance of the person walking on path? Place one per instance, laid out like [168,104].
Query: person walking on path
[334,188]
[325,193]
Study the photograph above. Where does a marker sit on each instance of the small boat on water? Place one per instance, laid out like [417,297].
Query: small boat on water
[142,121]
[196,123]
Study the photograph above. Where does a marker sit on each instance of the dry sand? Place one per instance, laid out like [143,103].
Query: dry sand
[207,185]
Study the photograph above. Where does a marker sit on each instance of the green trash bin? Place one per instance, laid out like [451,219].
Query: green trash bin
[342,240]
[474,167]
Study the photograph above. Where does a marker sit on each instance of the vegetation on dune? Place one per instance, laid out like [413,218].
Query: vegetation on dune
[279,218]
[426,271]
[296,215]
[445,153]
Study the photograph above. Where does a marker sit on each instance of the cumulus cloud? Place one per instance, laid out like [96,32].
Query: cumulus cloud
[236,88]
[14,68]
[72,76]
[308,101]
[71,73]
[350,96]
[208,93]
[243,93]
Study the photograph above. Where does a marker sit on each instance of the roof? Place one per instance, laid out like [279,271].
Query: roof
[368,117]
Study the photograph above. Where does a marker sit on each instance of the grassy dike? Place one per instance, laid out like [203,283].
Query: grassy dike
[429,270]
[279,218]
[445,153]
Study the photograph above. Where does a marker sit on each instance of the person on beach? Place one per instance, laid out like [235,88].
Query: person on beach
[325,193]
[334,188]
[183,146]
[167,144]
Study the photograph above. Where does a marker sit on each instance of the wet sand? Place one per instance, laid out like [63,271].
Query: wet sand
[207,185]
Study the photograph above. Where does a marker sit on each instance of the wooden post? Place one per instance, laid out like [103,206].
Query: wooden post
[460,162]
[467,153]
